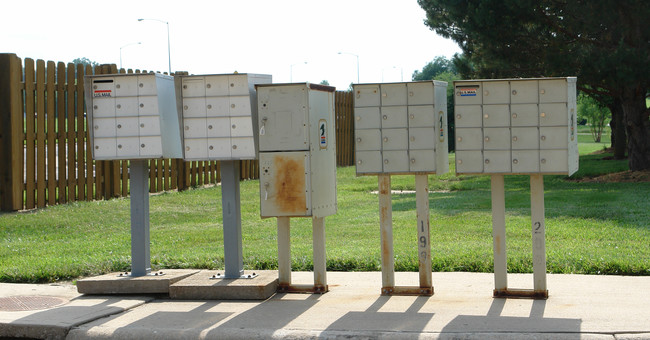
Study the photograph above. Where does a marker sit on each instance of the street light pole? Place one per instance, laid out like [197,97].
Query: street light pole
[169,58]
[357,63]
[135,43]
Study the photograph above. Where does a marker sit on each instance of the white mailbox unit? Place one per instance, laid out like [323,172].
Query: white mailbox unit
[517,126]
[219,120]
[297,145]
[134,117]
[220,115]
[401,128]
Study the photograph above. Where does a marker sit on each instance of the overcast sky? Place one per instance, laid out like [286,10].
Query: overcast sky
[248,36]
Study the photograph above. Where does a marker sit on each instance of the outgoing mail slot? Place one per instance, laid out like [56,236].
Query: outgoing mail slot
[219,148]
[128,147]
[496,92]
[393,94]
[150,146]
[468,93]
[422,160]
[525,161]
[526,138]
[420,93]
[217,86]
[523,91]
[217,106]
[469,162]
[147,85]
[524,115]
[194,128]
[421,116]
[553,161]
[241,127]
[194,107]
[126,86]
[104,127]
[126,126]
[193,87]
[393,117]
[149,126]
[553,91]
[396,161]
[367,118]
[553,114]
[126,106]
[422,138]
[238,85]
[218,127]
[243,147]
[496,161]
[469,116]
[240,106]
[148,105]
[496,139]
[496,116]
[367,140]
[105,148]
[469,139]
[394,139]
[104,107]
[553,137]
[369,161]
[196,148]
[366,95]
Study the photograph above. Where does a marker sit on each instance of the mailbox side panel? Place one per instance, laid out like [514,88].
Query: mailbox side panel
[442,146]
[170,127]
[323,153]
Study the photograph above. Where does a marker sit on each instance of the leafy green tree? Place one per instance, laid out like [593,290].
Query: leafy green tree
[85,61]
[604,43]
[325,82]
[439,65]
[595,114]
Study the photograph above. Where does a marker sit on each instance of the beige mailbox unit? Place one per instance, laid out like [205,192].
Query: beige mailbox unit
[517,126]
[520,126]
[133,116]
[220,115]
[401,128]
[297,145]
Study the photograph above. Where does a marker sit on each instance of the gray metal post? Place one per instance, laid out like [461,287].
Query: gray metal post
[140,258]
[230,203]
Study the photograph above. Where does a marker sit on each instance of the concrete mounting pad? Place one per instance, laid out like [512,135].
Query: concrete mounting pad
[113,283]
[202,286]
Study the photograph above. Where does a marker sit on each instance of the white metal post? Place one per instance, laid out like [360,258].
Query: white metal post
[284,251]
[386,229]
[499,232]
[538,232]
[424,245]
[140,256]
[320,262]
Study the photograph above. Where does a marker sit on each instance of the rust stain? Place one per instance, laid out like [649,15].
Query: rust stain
[290,182]
[497,244]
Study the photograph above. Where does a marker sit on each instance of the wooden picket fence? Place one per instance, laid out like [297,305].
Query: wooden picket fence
[45,154]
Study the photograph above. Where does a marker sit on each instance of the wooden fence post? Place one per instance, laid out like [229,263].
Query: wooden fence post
[11,133]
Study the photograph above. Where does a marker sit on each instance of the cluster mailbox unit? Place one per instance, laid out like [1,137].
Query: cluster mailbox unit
[134,117]
[219,120]
[401,128]
[517,126]
[297,159]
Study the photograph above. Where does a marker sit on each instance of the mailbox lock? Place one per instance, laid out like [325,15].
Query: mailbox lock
[119,126]
[187,128]
[543,114]
[141,105]
[358,118]
[96,147]
[514,139]
[119,146]
[95,107]
[208,85]
[411,94]
[359,162]
[543,161]
[95,87]
[117,86]
[486,93]
[487,139]
[187,148]
[119,106]
[209,106]
[487,161]
[412,138]
[486,116]
[458,116]
[234,126]
[514,115]
[542,91]
[515,161]
[211,147]
[385,117]
[384,94]
[412,116]
[185,107]
[232,106]
[232,84]
[142,125]
[234,147]
[460,161]
[141,85]
[460,139]
[358,140]
[543,137]
[412,160]
[209,127]
[385,139]
[96,127]
[385,161]
[142,145]
[514,92]
[185,87]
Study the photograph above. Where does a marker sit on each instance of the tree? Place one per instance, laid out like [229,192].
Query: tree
[85,61]
[596,115]
[325,82]
[439,65]
[604,43]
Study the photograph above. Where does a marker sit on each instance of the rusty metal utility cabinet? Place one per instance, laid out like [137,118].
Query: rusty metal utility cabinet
[134,117]
[219,119]
[517,126]
[297,145]
[401,129]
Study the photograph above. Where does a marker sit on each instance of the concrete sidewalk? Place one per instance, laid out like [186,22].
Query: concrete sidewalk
[579,307]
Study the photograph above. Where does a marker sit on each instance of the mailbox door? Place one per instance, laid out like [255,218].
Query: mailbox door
[393,94]
[128,147]
[393,117]
[524,115]
[496,92]
[283,118]
[553,91]
[147,85]
[468,93]
[240,106]
[367,140]
[104,127]
[243,147]
[126,126]
[469,162]
[525,161]
[553,137]
[553,160]
[149,126]
[469,139]
[238,85]
[103,107]
[241,127]
[194,128]
[104,148]
[496,139]
[422,160]
[525,138]
[151,146]
[420,93]
[216,86]
[496,115]
[469,116]
[217,106]
[422,138]
[555,114]
[218,127]
[219,148]
[126,86]
[193,87]
[396,161]
[148,105]
[196,148]
[523,92]
[285,185]
[394,139]
[194,107]
[367,118]
[421,116]
[366,95]
[126,106]
[369,162]
[497,161]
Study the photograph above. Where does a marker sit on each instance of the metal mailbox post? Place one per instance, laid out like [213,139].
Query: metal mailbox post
[297,146]
[517,126]
[219,123]
[134,117]
[401,128]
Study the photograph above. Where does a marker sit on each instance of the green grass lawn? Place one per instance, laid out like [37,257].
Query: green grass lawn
[592,228]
